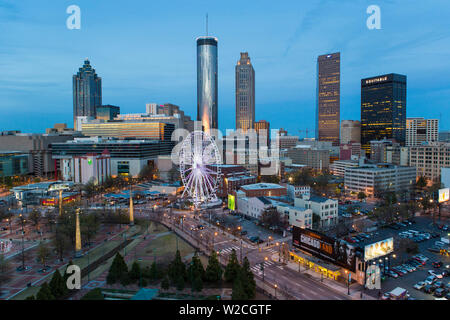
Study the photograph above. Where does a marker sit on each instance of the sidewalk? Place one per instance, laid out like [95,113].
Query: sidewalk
[355,289]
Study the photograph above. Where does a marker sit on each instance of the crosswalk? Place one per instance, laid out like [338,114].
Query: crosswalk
[257,267]
[272,251]
[228,250]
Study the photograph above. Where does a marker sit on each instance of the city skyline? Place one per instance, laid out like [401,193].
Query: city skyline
[37,88]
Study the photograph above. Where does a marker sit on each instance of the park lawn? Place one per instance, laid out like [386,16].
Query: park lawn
[164,248]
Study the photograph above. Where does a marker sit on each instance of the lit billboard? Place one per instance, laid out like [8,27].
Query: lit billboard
[444,195]
[324,247]
[378,249]
[231,202]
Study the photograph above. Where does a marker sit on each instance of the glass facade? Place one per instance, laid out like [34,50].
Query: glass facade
[245,93]
[87,92]
[383,109]
[328,97]
[107,112]
[207,74]
[117,149]
[129,129]
[13,164]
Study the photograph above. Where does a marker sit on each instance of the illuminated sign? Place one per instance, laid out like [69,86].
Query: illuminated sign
[231,202]
[444,195]
[378,249]
[375,80]
[322,246]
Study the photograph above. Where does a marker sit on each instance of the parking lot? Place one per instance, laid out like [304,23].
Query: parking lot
[411,278]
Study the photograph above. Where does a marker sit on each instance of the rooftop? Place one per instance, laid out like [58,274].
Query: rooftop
[262,186]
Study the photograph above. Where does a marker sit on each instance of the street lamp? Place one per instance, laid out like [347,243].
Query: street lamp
[349,278]
[275,290]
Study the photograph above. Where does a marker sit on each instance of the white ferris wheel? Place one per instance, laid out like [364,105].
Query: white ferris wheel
[199,160]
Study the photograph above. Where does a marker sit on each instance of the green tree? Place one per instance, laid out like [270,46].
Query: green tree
[232,268]
[196,273]
[58,287]
[249,283]
[213,270]
[165,283]
[118,272]
[179,282]
[135,272]
[45,293]
[35,217]
[177,269]
[270,179]
[30,298]
[239,292]
[43,253]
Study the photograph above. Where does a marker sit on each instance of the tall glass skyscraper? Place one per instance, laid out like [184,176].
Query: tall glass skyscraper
[87,92]
[328,97]
[207,73]
[245,93]
[383,109]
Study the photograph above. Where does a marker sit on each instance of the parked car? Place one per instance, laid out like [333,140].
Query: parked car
[428,288]
[437,275]
[430,280]
[386,296]
[438,284]
[440,292]
[392,274]
[419,285]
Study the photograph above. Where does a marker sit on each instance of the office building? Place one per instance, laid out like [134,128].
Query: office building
[444,136]
[87,92]
[376,179]
[313,158]
[207,80]
[262,127]
[128,129]
[128,157]
[383,109]
[429,159]
[245,93]
[420,130]
[92,167]
[232,178]
[350,131]
[252,206]
[328,97]
[338,167]
[302,218]
[350,150]
[38,147]
[107,112]
[13,163]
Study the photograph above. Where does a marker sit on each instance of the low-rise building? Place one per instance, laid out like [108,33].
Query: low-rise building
[232,178]
[298,217]
[252,206]
[373,179]
[325,208]
[294,191]
[338,167]
[95,168]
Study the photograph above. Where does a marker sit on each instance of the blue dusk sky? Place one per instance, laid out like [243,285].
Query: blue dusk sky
[145,51]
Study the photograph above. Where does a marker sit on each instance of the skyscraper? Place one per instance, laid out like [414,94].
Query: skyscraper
[245,93]
[87,92]
[383,109]
[350,131]
[328,97]
[207,73]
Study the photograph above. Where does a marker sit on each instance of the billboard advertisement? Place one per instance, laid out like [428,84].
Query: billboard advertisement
[321,246]
[231,202]
[444,194]
[378,249]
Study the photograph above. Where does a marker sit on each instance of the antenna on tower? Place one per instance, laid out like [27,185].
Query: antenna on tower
[206,24]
